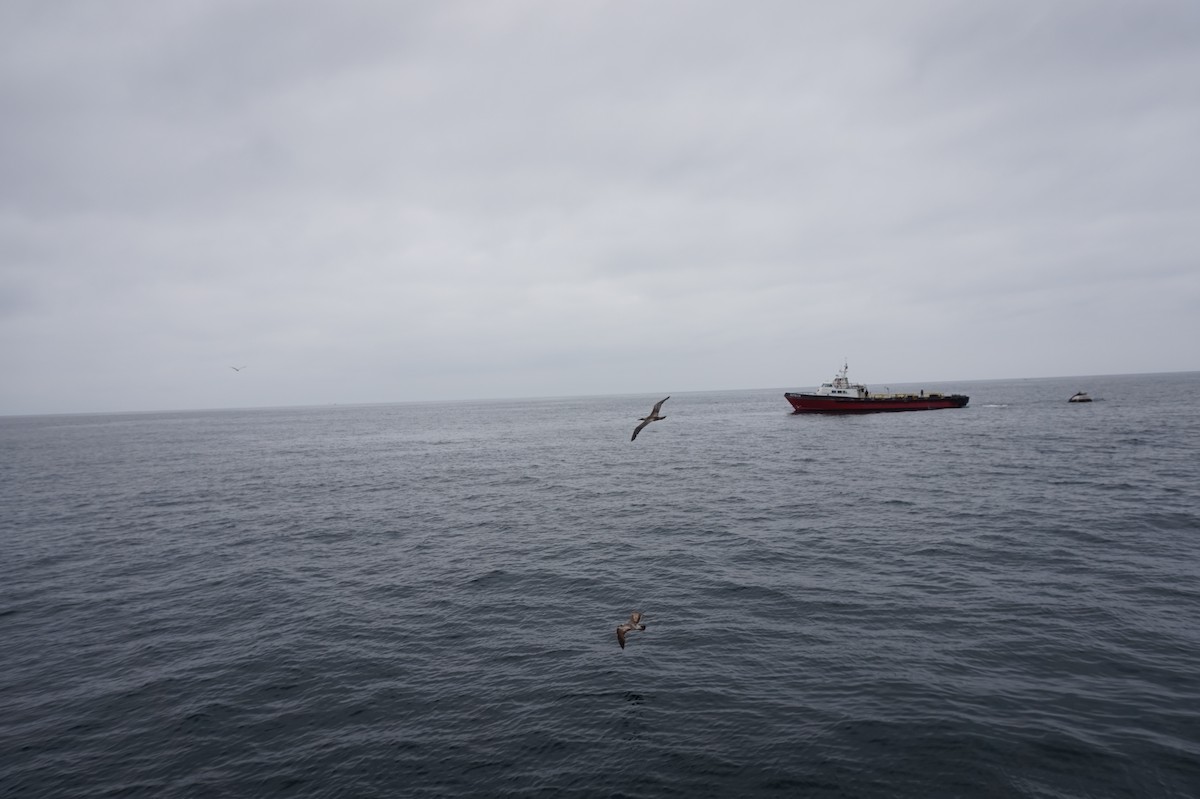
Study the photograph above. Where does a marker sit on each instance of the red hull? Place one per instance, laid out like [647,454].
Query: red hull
[816,403]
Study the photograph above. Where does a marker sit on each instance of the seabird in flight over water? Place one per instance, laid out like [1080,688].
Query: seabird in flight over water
[653,417]
[237,368]
[634,623]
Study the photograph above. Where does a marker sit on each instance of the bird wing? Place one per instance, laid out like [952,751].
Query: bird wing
[635,617]
[658,406]
[621,636]
[638,429]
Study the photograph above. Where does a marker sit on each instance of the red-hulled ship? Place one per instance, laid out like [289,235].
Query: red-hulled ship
[842,396]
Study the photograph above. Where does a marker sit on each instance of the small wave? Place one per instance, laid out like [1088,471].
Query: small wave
[902,605]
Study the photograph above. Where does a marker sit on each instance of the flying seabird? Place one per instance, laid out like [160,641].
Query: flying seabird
[653,417]
[237,368]
[634,623]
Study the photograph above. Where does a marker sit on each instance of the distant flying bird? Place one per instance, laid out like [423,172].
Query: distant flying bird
[653,417]
[237,368]
[634,623]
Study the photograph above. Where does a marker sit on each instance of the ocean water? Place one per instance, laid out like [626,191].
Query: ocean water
[421,599]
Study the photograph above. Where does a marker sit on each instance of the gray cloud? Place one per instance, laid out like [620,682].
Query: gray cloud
[374,201]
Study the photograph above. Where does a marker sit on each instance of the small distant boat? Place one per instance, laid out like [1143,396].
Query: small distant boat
[1080,396]
[842,396]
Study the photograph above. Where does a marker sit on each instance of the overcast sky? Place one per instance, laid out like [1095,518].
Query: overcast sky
[390,201]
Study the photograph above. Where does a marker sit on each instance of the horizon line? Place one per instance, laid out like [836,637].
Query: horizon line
[519,398]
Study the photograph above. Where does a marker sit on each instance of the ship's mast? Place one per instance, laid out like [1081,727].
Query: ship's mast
[842,381]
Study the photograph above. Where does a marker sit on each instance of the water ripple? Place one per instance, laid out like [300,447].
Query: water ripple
[386,600]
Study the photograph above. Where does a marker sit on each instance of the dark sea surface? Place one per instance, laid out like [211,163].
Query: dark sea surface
[421,599]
